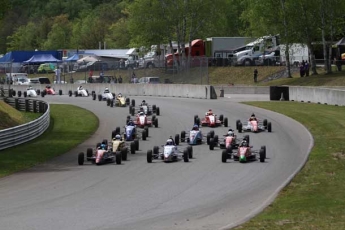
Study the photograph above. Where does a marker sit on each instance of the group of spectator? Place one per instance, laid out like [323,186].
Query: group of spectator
[304,69]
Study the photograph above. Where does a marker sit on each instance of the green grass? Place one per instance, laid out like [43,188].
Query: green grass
[315,199]
[70,125]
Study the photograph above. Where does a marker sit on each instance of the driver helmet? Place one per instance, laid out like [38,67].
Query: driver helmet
[141,114]
[244,143]
[231,133]
[206,113]
[195,127]
[119,95]
[103,146]
[169,142]
[106,90]
[210,111]
[117,137]
[253,115]
[143,102]
[30,87]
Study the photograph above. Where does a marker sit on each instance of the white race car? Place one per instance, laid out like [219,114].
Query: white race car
[80,92]
[170,152]
[106,95]
[30,92]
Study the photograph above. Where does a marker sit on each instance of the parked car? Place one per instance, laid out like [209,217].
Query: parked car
[149,80]
[96,66]
[40,80]
[46,68]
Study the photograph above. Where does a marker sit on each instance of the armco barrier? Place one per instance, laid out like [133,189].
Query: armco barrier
[29,131]
[161,90]
[317,95]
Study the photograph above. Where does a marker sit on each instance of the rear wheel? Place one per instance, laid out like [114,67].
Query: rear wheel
[99,97]
[265,123]
[89,153]
[221,117]
[185,155]
[264,149]
[94,97]
[25,94]
[237,122]
[190,151]
[177,139]
[19,93]
[197,121]
[211,146]
[224,156]
[133,102]
[149,156]
[269,127]
[127,101]
[156,122]
[118,158]
[133,148]
[130,109]
[226,122]
[240,127]
[60,92]
[81,158]
[75,93]
[133,111]
[195,117]
[158,112]
[155,151]
[124,154]
[183,136]
[212,133]
[136,141]
[147,131]
[262,155]
[208,137]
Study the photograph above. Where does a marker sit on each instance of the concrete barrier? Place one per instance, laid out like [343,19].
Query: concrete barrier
[242,89]
[160,90]
[317,95]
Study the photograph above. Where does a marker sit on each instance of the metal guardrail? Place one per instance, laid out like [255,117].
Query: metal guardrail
[23,133]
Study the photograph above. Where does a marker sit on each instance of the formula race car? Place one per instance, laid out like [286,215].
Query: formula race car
[48,91]
[80,92]
[106,95]
[30,92]
[131,133]
[146,108]
[211,120]
[121,101]
[170,152]
[228,142]
[253,125]
[141,120]
[119,145]
[244,153]
[195,136]
[101,155]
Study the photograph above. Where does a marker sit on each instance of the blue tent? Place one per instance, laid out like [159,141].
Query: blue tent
[75,57]
[42,58]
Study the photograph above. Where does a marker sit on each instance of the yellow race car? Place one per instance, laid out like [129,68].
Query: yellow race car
[121,101]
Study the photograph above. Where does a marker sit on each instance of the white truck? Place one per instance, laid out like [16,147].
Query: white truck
[254,49]
[155,58]
[133,58]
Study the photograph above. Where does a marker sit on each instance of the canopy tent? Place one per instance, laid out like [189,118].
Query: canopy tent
[42,58]
[75,57]
[341,42]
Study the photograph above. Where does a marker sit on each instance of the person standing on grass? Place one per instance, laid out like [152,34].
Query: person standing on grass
[255,75]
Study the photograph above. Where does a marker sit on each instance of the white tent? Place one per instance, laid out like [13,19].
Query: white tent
[88,59]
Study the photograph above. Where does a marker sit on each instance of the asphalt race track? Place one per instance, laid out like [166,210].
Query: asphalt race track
[202,194]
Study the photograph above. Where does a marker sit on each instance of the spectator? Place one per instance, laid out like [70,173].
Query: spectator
[101,77]
[57,75]
[306,68]
[71,80]
[120,79]
[115,79]
[301,69]
[255,75]
[90,73]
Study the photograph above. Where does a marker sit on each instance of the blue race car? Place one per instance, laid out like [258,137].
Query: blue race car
[195,136]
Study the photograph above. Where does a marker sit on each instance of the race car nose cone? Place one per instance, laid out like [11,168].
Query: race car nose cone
[243,159]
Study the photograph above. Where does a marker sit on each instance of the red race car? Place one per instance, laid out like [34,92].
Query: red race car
[141,121]
[211,120]
[48,90]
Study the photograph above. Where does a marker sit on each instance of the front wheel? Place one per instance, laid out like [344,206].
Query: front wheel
[177,139]
[190,151]
[185,156]
[118,158]
[81,158]
[149,156]
[224,156]
[136,141]
[225,122]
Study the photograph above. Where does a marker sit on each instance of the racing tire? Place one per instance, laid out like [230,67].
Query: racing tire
[75,93]
[70,93]
[264,148]
[132,148]
[158,111]
[149,156]
[153,118]
[225,122]
[197,121]
[94,97]
[42,94]
[155,151]
[136,141]
[99,97]
[190,151]
[144,134]
[240,127]
[60,92]
[185,156]
[211,145]
[237,122]
[25,94]
[93,92]
[154,108]
[113,134]
[195,117]
[177,139]
[262,155]
[124,154]
[212,133]
[208,137]
[133,111]
[88,153]
[19,93]
[117,130]
[156,123]
[112,103]
[38,92]
[183,136]
[133,102]
[246,137]
[127,101]
[118,158]
[269,127]
[215,139]
[108,102]
[221,117]
[265,123]
[147,131]
[80,158]
[224,156]
[130,109]
[13,93]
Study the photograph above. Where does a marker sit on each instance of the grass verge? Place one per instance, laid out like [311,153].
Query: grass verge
[70,125]
[315,199]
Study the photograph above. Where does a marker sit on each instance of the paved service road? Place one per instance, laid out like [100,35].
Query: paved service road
[202,194]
